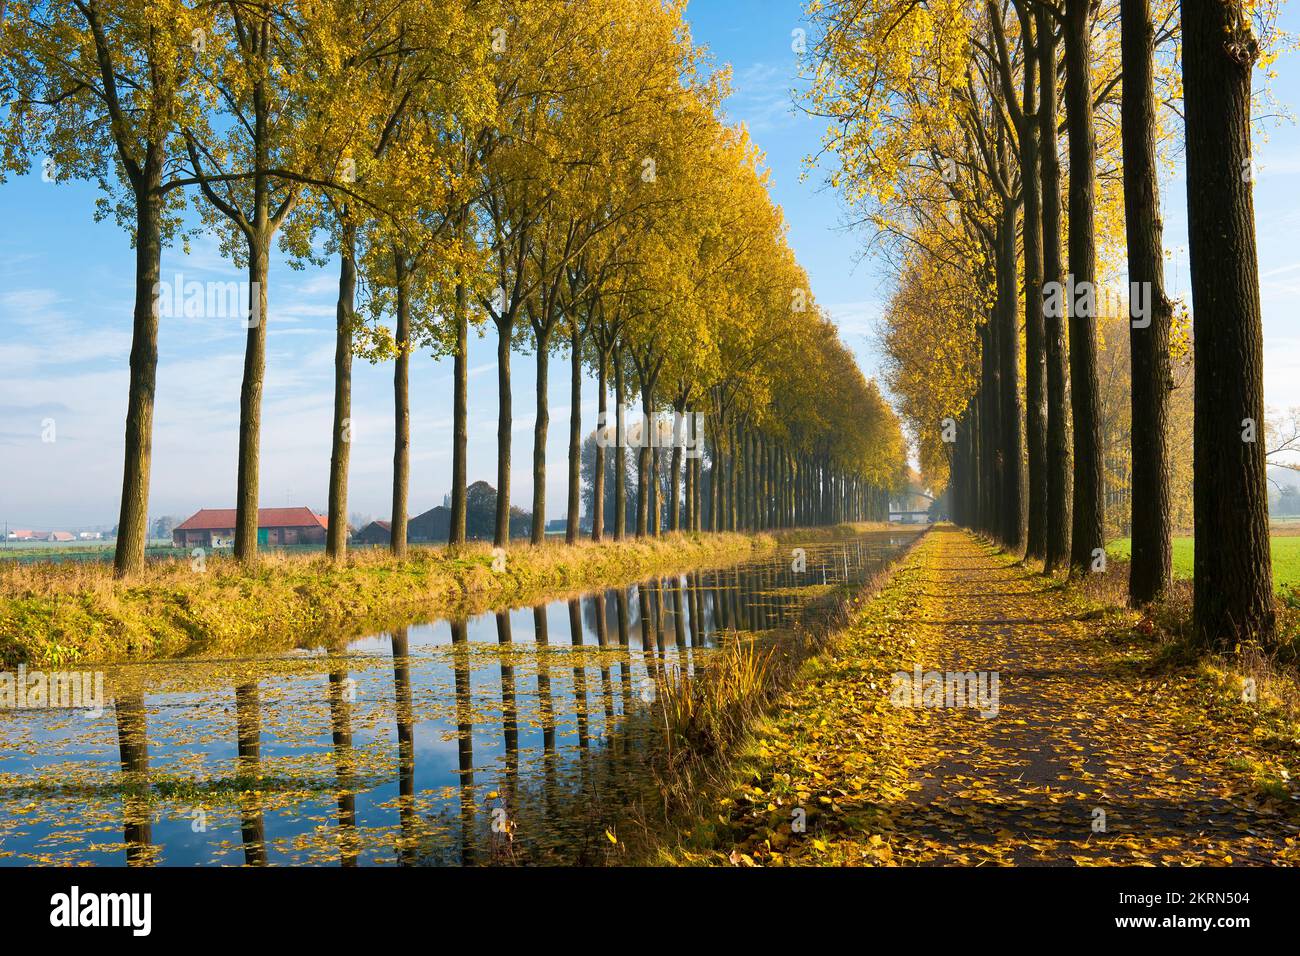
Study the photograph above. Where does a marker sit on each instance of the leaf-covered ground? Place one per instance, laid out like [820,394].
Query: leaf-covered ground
[1097,755]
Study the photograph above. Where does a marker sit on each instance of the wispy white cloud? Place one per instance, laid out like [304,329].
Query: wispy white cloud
[39,329]
[761,98]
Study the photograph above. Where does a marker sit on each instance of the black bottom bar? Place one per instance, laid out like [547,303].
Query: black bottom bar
[939,906]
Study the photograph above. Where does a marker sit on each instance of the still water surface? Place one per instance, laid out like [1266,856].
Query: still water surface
[511,737]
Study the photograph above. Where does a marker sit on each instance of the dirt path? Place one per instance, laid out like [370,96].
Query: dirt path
[1093,756]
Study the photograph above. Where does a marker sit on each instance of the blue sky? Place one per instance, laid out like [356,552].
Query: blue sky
[65,319]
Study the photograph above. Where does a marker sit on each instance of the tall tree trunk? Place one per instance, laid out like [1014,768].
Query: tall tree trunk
[775,485]
[800,516]
[250,398]
[735,462]
[574,506]
[695,521]
[460,421]
[1232,580]
[401,410]
[688,477]
[742,478]
[801,492]
[642,491]
[1089,527]
[969,474]
[702,517]
[1059,466]
[620,455]
[643,477]
[959,482]
[336,535]
[1150,568]
[1012,529]
[787,495]
[724,489]
[540,428]
[972,464]
[1035,356]
[674,489]
[809,469]
[991,423]
[770,486]
[765,514]
[655,511]
[751,481]
[715,473]
[715,458]
[133,518]
[814,491]
[505,332]
[602,425]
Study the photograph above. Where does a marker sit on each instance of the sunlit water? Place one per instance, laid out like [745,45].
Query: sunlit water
[514,737]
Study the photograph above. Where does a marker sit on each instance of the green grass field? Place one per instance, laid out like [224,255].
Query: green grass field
[1285,548]
[28,551]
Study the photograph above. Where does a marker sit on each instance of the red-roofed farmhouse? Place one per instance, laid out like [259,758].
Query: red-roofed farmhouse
[215,528]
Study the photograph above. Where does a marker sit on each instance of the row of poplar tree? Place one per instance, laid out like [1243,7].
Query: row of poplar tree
[1006,153]
[558,172]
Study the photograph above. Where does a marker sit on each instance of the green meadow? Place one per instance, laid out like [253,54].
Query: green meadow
[1285,549]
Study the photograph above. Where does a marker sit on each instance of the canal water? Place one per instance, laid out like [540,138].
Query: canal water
[519,736]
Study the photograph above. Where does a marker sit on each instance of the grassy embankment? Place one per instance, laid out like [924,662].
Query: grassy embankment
[52,615]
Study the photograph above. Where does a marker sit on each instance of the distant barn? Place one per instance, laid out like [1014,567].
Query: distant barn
[377,532]
[215,528]
[433,525]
